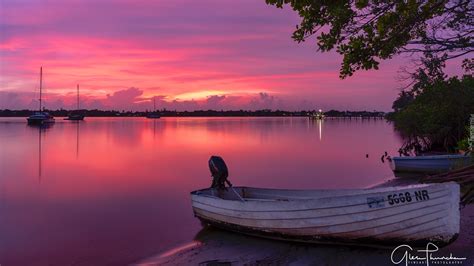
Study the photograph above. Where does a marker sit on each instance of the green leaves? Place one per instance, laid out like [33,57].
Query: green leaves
[439,114]
[367,31]
[360,4]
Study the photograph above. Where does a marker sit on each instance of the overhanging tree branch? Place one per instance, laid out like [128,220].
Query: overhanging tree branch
[366,31]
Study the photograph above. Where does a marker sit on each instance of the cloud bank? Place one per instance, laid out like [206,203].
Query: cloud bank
[190,54]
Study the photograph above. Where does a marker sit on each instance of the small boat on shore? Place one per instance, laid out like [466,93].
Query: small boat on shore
[379,216]
[41,117]
[430,164]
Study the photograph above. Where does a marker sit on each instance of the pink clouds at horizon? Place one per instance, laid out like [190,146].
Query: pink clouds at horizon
[188,54]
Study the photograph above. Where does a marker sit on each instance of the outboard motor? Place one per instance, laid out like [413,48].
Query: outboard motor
[219,172]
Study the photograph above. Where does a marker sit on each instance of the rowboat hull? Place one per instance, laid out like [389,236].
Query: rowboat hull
[430,164]
[382,216]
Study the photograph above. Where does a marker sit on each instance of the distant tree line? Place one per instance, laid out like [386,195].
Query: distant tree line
[197,113]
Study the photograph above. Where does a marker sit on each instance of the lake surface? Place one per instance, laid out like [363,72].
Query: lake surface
[116,190]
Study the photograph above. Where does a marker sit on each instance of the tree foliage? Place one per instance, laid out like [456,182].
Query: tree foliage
[403,100]
[367,31]
[436,119]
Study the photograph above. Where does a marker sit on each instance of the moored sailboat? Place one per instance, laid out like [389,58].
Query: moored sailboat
[154,114]
[76,116]
[41,117]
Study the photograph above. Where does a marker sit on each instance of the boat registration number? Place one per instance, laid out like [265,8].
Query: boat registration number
[398,198]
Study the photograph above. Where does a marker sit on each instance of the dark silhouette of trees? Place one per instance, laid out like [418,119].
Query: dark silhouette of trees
[437,118]
[403,100]
[367,31]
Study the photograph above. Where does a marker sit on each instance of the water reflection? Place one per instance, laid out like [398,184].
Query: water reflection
[217,247]
[317,123]
[122,184]
[39,154]
[41,131]
[320,126]
[77,139]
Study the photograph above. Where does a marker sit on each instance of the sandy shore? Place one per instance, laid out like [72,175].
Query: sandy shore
[217,247]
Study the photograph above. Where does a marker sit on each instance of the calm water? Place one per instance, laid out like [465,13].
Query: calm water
[116,190]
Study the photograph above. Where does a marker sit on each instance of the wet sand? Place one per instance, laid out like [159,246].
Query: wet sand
[213,246]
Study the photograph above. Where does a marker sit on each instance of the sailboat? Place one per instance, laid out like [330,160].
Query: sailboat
[40,117]
[76,116]
[154,114]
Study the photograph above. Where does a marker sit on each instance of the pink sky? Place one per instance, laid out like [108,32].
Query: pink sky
[188,54]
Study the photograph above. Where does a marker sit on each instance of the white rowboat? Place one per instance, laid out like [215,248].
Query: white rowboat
[412,214]
[430,164]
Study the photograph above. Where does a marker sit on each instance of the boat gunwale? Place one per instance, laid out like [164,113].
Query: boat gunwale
[196,193]
[378,189]
[315,209]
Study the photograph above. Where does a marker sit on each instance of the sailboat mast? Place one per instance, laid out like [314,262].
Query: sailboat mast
[78,97]
[154,104]
[41,86]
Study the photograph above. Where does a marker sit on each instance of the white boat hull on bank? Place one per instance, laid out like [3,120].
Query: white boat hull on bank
[430,164]
[413,214]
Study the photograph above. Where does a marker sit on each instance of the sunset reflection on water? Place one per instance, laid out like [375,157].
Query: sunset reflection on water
[116,190]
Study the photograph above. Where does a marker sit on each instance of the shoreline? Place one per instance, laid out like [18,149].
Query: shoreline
[208,116]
